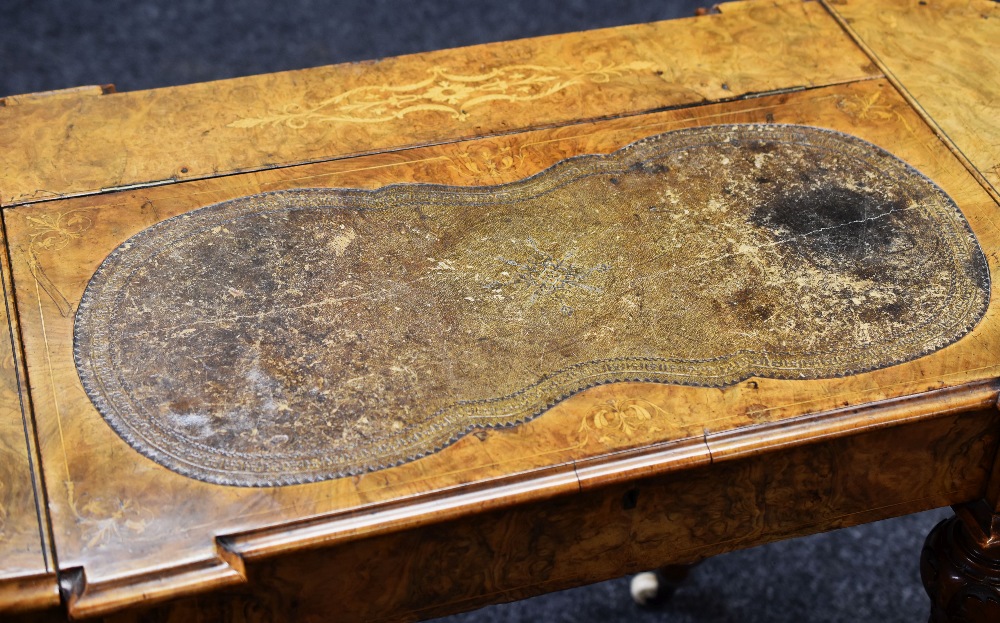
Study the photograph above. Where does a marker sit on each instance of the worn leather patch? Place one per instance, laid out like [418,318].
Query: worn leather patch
[304,335]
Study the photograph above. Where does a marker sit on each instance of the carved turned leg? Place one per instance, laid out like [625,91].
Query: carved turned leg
[960,567]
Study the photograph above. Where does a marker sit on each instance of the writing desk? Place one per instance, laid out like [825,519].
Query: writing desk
[631,463]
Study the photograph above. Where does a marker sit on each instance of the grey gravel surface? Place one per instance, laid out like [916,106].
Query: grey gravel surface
[868,573]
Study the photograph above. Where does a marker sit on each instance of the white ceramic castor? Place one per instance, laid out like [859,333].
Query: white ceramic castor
[645,588]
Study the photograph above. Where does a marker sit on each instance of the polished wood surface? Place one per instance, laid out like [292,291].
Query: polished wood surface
[608,530]
[90,144]
[944,55]
[27,571]
[961,574]
[676,473]
[128,503]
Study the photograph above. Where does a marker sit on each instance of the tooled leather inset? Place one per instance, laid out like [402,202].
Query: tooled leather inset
[309,334]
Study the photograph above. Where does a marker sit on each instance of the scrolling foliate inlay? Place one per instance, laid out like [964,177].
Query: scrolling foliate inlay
[309,334]
[620,417]
[444,91]
[50,233]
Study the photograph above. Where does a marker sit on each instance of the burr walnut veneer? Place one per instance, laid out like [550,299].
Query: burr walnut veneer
[391,340]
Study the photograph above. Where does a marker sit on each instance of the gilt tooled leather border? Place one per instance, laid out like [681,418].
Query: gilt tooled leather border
[880,262]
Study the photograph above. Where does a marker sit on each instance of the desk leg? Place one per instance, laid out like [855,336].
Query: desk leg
[960,566]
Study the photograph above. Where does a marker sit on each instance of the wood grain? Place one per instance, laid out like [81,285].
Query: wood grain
[305,335]
[80,145]
[611,530]
[960,574]
[142,533]
[944,56]
[27,572]
[944,53]
[72,93]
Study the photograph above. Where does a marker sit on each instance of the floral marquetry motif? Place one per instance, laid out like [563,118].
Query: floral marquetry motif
[482,162]
[51,233]
[871,107]
[309,334]
[619,418]
[444,91]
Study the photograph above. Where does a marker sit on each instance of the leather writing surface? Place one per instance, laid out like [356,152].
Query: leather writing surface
[311,334]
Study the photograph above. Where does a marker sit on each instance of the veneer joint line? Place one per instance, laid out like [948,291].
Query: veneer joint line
[31,440]
[454,141]
[912,101]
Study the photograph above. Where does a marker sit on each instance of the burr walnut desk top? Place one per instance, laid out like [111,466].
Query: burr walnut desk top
[403,338]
